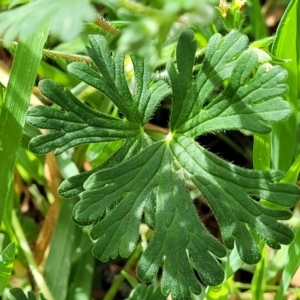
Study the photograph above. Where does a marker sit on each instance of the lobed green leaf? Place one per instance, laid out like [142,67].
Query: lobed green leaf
[229,190]
[74,125]
[177,225]
[137,105]
[146,182]
[77,123]
[217,66]
[246,101]
[73,186]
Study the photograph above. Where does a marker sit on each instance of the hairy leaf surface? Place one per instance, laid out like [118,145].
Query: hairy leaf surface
[229,190]
[146,181]
[179,235]
[74,125]
[243,102]
[138,105]
[77,123]
[73,186]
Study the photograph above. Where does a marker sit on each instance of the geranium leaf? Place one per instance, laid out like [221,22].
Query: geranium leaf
[137,105]
[217,66]
[229,190]
[74,125]
[79,124]
[177,225]
[244,102]
[148,182]
[73,186]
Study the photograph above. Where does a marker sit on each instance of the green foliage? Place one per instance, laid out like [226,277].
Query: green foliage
[288,132]
[149,181]
[65,28]
[231,14]
[12,116]
[157,22]
[18,294]
[143,292]
[7,257]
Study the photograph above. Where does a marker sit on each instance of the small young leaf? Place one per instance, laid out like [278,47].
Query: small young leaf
[67,17]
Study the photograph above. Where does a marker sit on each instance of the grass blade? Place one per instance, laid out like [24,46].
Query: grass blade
[257,21]
[284,133]
[261,151]
[81,285]
[12,118]
[59,261]
[258,282]
[293,262]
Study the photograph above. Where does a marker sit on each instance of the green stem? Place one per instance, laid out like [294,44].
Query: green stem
[52,54]
[38,277]
[106,26]
[110,295]
[138,8]
[247,286]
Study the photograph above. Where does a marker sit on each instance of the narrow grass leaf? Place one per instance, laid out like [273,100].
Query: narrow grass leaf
[292,264]
[38,278]
[258,281]
[261,152]
[257,22]
[284,138]
[82,278]
[293,257]
[12,118]
[130,279]
[59,261]
[292,174]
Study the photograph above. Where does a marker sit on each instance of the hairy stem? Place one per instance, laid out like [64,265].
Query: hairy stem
[52,54]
